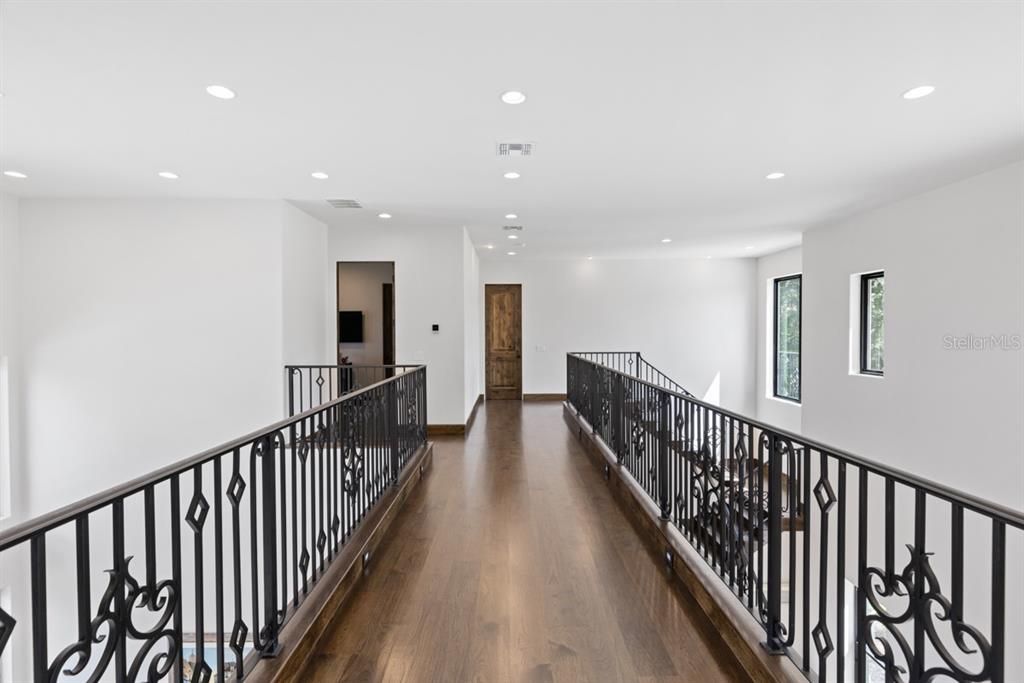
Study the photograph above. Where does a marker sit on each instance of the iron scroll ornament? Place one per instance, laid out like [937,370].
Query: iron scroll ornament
[925,602]
[114,620]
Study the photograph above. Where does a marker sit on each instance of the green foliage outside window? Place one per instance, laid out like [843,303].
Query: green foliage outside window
[874,321]
[787,337]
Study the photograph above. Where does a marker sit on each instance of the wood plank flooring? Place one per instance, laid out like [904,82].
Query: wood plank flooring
[513,563]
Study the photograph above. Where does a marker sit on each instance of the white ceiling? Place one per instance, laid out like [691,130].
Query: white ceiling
[651,120]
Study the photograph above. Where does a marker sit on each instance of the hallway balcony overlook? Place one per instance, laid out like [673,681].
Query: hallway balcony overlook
[658,538]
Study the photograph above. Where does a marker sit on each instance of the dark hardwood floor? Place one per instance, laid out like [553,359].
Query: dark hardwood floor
[513,563]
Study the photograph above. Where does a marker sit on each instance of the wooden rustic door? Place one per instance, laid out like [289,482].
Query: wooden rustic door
[503,316]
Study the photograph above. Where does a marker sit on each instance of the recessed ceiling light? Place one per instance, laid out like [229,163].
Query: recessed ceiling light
[919,92]
[511,175]
[15,174]
[775,175]
[513,97]
[383,215]
[511,253]
[511,216]
[749,247]
[666,240]
[488,246]
[590,258]
[319,175]
[168,175]
[513,237]
[221,92]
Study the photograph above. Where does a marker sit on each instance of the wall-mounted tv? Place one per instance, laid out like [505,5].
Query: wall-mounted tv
[350,327]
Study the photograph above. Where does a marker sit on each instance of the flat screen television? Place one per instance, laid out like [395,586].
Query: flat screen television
[350,327]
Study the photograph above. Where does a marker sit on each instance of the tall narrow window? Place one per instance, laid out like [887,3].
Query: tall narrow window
[787,338]
[872,323]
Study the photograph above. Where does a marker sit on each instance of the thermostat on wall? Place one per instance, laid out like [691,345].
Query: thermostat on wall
[435,328]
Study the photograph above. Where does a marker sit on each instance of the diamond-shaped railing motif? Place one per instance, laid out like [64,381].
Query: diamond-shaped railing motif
[824,494]
[304,561]
[6,629]
[335,525]
[236,487]
[303,451]
[197,511]
[203,674]
[320,381]
[238,636]
[321,541]
[822,640]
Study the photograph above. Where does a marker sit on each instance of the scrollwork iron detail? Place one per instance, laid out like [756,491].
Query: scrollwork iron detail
[114,620]
[924,602]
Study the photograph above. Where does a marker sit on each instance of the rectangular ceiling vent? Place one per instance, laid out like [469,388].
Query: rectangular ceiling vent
[344,203]
[513,227]
[515,149]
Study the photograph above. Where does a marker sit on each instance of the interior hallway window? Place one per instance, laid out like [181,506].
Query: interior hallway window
[787,338]
[872,323]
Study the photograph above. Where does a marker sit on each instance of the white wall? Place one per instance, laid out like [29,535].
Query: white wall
[952,261]
[428,289]
[774,411]
[11,472]
[307,334]
[953,266]
[151,330]
[473,323]
[360,288]
[693,319]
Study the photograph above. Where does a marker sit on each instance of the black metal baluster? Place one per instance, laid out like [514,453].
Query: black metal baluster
[806,582]
[83,580]
[920,522]
[841,577]
[304,461]
[822,638]
[997,654]
[662,473]
[270,547]
[774,606]
[218,562]
[258,635]
[281,484]
[293,435]
[196,517]
[175,493]
[40,649]
[236,489]
[862,633]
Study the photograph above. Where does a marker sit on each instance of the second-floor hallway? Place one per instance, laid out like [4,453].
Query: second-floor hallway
[513,562]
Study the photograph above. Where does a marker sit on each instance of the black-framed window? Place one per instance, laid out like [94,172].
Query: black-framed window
[872,323]
[786,334]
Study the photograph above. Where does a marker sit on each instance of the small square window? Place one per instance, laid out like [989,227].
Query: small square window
[872,323]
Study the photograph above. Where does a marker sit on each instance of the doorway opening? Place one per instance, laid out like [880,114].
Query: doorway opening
[503,332]
[365,328]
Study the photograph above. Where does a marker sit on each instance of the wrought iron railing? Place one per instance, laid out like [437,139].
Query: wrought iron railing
[311,385]
[230,542]
[633,364]
[839,558]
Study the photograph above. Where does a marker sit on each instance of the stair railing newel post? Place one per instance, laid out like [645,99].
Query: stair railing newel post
[391,429]
[595,396]
[775,642]
[664,501]
[271,647]
[618,441]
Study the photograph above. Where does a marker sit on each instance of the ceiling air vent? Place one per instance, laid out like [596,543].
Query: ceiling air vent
[513,227]
[515,149]
[344,203]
